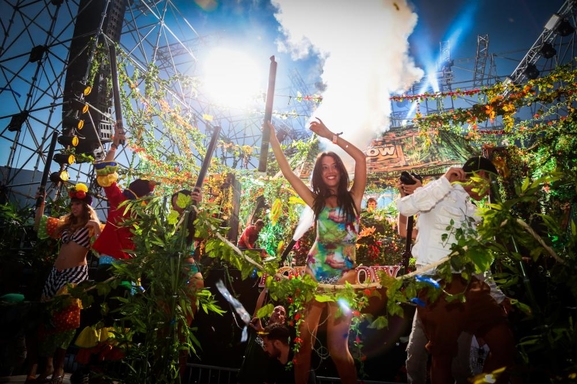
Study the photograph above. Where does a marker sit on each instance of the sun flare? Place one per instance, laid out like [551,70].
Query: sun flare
[232,78]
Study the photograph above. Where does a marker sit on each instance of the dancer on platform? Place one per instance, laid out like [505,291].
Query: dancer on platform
[116,240]
[75,231]
[331,258]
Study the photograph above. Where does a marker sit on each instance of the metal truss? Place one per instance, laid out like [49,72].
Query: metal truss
[481,60]
[34,61]
[551,36]
[555,46]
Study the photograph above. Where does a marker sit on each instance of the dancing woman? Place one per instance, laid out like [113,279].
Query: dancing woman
[75,231]
[331,258]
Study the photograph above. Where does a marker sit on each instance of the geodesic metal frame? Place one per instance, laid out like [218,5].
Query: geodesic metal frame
[35,59]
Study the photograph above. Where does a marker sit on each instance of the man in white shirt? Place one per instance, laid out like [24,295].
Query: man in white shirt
[446,202]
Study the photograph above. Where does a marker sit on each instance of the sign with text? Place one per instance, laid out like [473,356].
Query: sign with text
[409,148]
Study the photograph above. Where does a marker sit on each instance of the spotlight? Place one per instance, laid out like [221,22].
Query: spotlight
[37,53]
[565,28]
[548,51]
[73,122]
[79,87]
[68,141]
[62,159]
[17,120]
[552,23]
[58,177]
[532,72]
[79,105]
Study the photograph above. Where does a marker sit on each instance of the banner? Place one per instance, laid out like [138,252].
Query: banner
[365,274]
[409,149]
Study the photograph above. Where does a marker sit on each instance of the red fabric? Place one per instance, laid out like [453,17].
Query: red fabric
[115,239]
[52,227]
[248,237]
[67,319]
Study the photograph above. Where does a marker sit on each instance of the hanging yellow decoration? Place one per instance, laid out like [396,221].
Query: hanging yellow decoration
[275,211]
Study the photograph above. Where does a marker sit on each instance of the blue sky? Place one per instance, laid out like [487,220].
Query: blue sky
[512,25]
[346,35]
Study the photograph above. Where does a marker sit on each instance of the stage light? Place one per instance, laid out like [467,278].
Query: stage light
[62,159]
[565,28]
[79,87]
[79,105]
[548,51]
[553,22]
[37,53]
[68,141]
[73,122]
[58,177]
[532,72]
[17,120]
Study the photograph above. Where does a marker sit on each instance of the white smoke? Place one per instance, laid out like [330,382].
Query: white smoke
[365,48]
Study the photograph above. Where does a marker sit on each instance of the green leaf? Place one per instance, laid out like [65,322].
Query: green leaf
[173,217]
[324,298]
[481,258]
[265,311]
[379,323]
[183,201]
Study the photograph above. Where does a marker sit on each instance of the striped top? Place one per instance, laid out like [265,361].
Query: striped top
[80,237]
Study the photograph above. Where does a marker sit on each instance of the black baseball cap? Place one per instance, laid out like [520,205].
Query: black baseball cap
[479,163]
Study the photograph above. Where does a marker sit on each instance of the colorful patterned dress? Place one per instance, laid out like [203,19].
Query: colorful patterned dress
[334,250]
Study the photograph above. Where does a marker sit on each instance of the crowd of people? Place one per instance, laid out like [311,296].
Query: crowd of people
[442,330]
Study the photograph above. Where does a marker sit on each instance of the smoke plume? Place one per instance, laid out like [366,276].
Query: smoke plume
[364,47]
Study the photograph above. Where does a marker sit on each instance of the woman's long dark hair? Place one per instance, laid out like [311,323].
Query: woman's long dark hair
[72,222]
[344,199]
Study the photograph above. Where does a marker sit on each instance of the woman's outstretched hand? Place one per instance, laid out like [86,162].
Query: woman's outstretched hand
[273,139]
[318,127]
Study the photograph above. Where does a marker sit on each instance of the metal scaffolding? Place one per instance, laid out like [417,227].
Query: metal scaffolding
[555,46]
[37,59]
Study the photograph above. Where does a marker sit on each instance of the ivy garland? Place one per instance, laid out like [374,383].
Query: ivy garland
[551,163]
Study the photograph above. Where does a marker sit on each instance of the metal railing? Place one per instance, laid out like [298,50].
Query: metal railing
[210,374]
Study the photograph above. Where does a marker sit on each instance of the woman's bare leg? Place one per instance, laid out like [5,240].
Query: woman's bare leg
[308,330]
[338,328]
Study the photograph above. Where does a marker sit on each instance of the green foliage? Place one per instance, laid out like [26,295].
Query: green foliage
[13,227]
[528,237]
[379,242]
[158,315]
[20,249]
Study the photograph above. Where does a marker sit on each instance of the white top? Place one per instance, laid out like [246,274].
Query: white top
[437,203]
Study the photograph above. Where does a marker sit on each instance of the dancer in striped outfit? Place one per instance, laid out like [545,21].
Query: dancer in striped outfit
[75,231]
